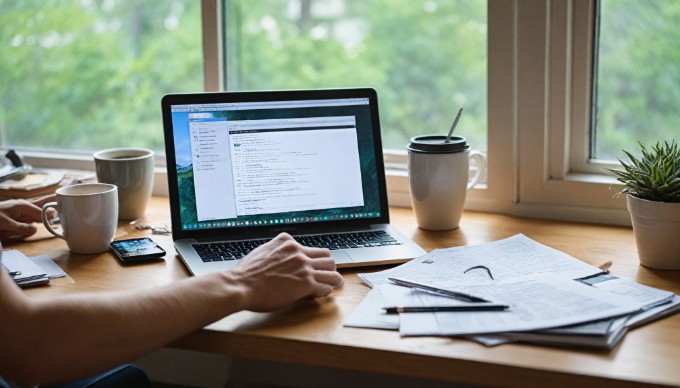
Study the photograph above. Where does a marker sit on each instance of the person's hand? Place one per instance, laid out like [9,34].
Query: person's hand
[282,271]
[18,215]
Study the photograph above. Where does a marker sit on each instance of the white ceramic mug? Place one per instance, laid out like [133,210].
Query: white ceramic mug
[88,215]
[439,179]
[131,169]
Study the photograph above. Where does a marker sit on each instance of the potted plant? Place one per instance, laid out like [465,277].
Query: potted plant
[652,187]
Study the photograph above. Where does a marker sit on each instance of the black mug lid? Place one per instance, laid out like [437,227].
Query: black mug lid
[437,144]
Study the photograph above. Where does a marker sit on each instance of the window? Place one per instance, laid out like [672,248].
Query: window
[535,78]
[637,73]
[82,75]
[556,52]
[426,58]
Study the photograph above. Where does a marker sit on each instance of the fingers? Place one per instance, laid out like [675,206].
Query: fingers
[40,201]
[330,278]
[284,264]
[24,211]
[319,258]
[282,238]
[323,263]
[315,252]
[321,291]
[11,229]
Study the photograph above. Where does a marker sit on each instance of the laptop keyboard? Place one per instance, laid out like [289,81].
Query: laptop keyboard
[233,250]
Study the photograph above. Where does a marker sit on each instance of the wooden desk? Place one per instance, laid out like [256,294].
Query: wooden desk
[311,332]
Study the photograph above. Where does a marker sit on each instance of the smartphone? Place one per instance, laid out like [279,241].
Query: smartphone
[137,250]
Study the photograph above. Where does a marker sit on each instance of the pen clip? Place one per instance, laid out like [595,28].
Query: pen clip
[440,291]
[11,273]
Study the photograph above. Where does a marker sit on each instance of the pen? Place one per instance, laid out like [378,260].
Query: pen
[433,309]
[441,291]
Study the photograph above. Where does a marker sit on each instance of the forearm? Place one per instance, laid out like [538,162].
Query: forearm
[51,340]
[72,336]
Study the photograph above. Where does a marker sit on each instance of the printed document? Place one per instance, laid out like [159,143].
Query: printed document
[545,289]
[508,258]
[536,302]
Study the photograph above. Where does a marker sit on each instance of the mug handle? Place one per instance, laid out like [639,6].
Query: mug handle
[480,161]
[46,222]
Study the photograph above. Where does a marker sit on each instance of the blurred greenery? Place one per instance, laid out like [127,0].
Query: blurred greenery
[89,74]
[638,75]
[425,58]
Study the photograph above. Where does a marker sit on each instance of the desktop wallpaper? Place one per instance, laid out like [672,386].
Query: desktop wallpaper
[369,174]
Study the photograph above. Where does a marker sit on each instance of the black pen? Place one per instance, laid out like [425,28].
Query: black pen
[434,309]
[441,291]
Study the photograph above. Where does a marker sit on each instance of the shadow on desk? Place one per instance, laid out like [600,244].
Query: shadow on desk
[173,368]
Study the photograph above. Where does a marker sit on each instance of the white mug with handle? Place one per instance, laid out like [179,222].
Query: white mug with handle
[88,215]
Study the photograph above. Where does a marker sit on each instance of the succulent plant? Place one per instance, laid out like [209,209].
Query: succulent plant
[654,176]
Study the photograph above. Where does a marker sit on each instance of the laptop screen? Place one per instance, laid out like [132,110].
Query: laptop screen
[275,160]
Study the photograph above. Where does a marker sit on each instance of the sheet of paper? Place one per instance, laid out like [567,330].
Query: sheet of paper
[536,302]
[508,258]
[640,293]
[656,312]
[369,313]
[398,296]
[51,269]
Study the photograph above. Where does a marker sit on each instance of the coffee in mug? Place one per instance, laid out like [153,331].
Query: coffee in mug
[88,214]
[439,179]
[131,169]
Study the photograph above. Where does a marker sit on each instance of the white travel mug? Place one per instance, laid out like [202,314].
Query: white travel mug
[439,179]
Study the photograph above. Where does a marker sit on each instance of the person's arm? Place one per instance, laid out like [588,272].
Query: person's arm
[58,338]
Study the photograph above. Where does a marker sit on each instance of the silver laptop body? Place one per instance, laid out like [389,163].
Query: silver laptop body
[246,166]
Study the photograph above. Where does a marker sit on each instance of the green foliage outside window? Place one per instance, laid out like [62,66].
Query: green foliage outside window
[86,75]
[425,58]
[89,74]
[638,75]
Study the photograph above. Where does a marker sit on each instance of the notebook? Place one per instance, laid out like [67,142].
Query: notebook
[246,166]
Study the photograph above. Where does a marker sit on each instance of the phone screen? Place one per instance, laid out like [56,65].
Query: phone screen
[137,249]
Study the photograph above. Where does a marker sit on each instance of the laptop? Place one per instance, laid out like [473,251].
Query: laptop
[246,166]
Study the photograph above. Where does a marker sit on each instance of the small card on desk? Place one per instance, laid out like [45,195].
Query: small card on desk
[27,272]
[23,270]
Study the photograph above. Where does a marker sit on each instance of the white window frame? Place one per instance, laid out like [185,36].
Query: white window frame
[539,101]
[554,75]
[539,77]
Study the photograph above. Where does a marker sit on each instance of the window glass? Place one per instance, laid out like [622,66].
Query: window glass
[90,74]
[638,75]
[425,58]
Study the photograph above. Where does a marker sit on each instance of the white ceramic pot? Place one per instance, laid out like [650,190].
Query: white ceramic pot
[657,232]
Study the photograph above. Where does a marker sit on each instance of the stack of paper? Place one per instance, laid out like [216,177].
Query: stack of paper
[28,272]
[553,297]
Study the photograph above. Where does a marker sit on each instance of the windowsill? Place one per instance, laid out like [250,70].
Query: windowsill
[565,194]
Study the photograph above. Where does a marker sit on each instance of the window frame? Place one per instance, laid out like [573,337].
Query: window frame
[555,42]
[539,55]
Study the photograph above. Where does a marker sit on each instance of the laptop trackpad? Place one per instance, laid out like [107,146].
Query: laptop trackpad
[341,257]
